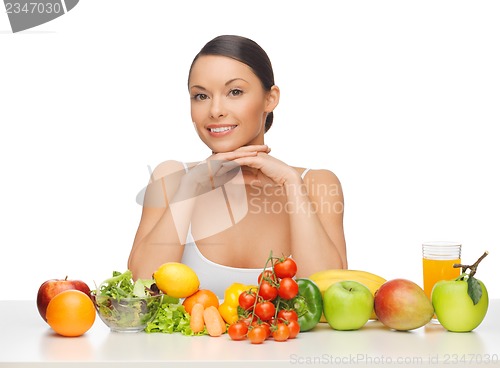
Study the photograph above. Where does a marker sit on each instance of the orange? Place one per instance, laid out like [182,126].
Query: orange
[71,313]
[205,297]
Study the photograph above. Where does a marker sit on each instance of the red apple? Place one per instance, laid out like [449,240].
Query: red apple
[51,288]
[402,305]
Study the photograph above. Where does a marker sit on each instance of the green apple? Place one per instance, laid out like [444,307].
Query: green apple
[347,305]
[455,309]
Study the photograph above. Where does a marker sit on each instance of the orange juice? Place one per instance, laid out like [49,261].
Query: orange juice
[438,269]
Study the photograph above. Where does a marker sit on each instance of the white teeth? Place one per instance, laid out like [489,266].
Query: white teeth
[221,129]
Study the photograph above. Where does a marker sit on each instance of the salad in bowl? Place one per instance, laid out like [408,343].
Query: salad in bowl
[124,305]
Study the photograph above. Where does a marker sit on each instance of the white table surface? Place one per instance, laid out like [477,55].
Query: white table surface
[26,340]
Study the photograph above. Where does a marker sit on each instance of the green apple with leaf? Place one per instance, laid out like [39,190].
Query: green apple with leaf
[461,304]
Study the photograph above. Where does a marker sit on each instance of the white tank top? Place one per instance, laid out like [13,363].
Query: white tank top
[214,276]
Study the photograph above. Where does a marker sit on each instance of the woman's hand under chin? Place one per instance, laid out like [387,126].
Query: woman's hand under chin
[268,170]
[218,168]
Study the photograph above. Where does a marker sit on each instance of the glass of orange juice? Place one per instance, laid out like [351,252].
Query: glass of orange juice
[438,259]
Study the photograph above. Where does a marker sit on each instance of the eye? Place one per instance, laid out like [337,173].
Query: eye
[199,97]
[235,92]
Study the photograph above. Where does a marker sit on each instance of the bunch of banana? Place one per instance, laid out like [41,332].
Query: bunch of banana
[328,277]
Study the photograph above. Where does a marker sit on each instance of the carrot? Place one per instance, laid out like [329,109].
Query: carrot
[222,322]
[197,322]
[214,322]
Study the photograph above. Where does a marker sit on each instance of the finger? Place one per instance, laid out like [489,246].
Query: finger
[250,161]
[229,156]
[254,147]
[244,151]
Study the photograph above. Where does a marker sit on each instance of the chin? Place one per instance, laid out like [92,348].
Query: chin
[222,148]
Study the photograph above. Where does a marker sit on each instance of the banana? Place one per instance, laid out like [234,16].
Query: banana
[346,275]
[328,277]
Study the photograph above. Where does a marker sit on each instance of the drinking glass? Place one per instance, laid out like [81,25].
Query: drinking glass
[438,259]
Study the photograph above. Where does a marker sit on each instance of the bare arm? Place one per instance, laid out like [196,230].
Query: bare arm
[159,238]
[315,208]
[169,203]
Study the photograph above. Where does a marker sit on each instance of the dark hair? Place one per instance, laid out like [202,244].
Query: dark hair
[247,52]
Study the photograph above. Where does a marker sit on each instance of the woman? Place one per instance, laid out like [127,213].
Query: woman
[223,216]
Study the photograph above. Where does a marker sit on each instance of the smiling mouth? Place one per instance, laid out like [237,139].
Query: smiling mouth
[222,129]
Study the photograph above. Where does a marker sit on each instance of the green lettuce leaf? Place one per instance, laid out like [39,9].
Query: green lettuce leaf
[172,318]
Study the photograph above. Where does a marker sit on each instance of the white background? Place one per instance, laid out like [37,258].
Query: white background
[399,98]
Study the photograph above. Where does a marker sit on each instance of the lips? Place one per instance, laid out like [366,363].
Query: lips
[220,130]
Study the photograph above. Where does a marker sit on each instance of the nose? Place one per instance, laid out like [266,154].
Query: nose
[217,109]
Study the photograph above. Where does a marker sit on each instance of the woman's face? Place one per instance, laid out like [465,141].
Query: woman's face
[228,103]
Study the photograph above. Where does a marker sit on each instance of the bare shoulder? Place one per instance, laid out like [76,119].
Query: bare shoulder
[167,168]
[163,181]
[320,175]
[323,175]
[321,182]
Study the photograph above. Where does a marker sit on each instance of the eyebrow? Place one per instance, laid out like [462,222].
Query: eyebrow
[225,84]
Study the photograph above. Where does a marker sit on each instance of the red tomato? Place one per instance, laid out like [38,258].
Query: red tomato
[257,335]
[271,321]
[285,268]
[246,300]
[238,330]
[267,275]
[294,328]
[249,319]
[281,332]
[287,315]
[265,325]
[288,288]
[265,310]
[268,291]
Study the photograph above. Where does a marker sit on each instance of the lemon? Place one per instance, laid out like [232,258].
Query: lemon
[176,279]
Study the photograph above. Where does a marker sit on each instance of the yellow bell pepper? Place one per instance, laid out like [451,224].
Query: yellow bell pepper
[229,308]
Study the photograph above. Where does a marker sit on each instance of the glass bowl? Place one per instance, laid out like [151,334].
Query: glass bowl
[127,314]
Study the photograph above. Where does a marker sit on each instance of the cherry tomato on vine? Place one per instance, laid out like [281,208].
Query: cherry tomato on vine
[267,291]
[238,330]
[294,328]
[281,332]
[267,275]
[285,268]
[288,315]
[288,288]
[265,310]
[257,335]
[272,321]
[249,319]
[246,300]
[265,325]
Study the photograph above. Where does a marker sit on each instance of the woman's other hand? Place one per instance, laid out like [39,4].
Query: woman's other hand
[219,168]
[264,169]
